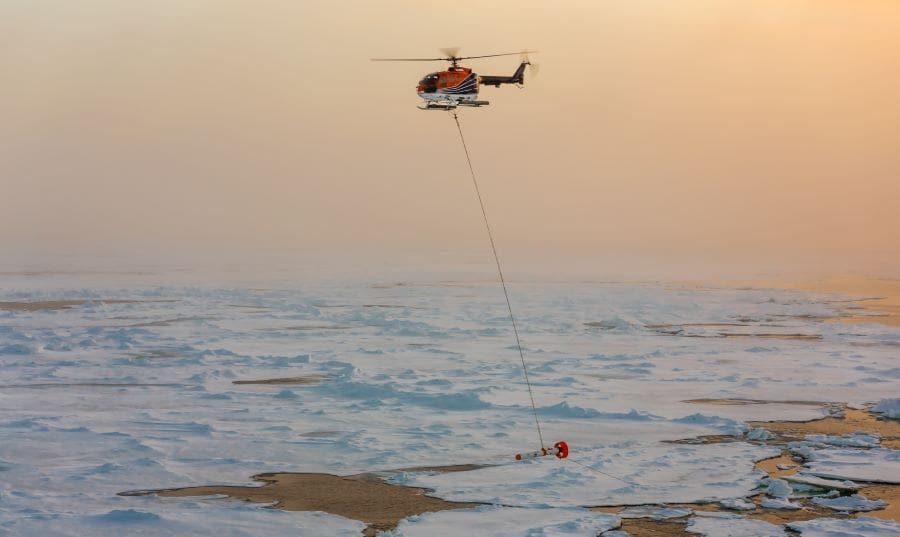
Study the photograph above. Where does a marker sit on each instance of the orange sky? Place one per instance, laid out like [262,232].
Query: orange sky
[754,133]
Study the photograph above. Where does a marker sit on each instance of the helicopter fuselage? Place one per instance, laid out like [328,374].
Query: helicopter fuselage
[452,87]
[459,86]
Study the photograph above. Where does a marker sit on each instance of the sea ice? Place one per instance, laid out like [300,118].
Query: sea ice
[890,408]
[877,465]
[186,517]
[496,521]
[778,488]
[731,525]
[655,512]
[852,503]
[108,397]
[738,504]
[779,503]
[846,527]
[820,483]
[647,474]
[759,434]
[859,439]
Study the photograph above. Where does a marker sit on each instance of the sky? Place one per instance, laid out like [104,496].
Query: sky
[659,139]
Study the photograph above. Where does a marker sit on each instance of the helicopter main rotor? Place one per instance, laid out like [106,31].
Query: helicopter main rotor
[451,57]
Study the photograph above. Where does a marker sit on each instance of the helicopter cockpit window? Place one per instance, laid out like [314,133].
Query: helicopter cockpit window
[429,83]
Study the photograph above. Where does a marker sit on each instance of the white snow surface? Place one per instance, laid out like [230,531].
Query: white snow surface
[847,527]
[110,397]
[495,521]
[732,525]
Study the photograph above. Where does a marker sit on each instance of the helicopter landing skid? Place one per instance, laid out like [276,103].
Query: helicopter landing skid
[452,105]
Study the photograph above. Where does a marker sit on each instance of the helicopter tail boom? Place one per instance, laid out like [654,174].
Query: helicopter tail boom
[517,78]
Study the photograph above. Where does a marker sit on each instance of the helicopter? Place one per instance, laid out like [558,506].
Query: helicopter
[458,85]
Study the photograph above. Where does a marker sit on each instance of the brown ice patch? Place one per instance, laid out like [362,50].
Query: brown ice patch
[801,337]
[301,327]
[888,493]
[370,500]
[645,527]
[853,421]
[320,434]
[170,322]
[679,330]
[156,354]
[304,380]
[740,402]
[57,304]
[610,376]
[882,310]
[770,466]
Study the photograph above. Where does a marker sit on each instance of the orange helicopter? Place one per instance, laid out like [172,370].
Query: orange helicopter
[458,86]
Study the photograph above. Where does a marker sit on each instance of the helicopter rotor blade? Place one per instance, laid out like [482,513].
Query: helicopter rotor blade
[407,59]
[451,56]
[495,55]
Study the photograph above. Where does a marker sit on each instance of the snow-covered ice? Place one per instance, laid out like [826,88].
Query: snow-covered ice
[847,527]
[109,397]
[713,524]
[779,503]
[858,439]
[759,434]
[495,521]
[852,503]
[778,488]
[873,465]
[738,504]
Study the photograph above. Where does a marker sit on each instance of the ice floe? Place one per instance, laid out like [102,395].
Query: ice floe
[495,521]
[878,465]
[738,504]
[852,503]
[779,503]
[778,488]
[846,527]
[713,524]
[890,408]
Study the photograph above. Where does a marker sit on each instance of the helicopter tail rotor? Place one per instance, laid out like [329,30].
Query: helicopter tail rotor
[533,68]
